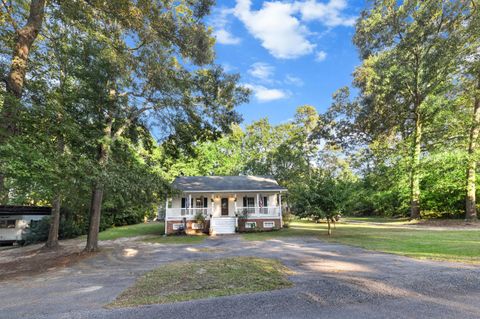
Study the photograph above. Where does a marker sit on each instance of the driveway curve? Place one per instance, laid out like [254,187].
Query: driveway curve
[331,281]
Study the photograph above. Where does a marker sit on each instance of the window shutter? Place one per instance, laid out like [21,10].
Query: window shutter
[205,202]
[265,201]
[183,202]
[244,201]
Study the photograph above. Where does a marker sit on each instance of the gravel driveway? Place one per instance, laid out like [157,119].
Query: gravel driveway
[331,281]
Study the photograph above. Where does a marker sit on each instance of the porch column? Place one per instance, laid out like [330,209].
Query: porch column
[280,203]
[235,204]
[280,211]
[189,204]
[212,200]
[165,218]
[258,204]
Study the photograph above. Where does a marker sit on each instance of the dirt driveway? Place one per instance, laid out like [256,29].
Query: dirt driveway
[331,281]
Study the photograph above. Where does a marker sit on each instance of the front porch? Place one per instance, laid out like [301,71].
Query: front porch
[223,213]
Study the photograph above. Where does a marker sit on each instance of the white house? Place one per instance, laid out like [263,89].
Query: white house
[15,221]
[227,204]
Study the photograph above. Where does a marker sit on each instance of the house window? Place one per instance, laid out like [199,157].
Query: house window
[197,226]
[7,223]
[177,226]
[201,202]
[248,202]
[269,224]
[250,225]
[185,201]
[263,205]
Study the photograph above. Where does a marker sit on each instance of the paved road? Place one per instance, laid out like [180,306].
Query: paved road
[331,281]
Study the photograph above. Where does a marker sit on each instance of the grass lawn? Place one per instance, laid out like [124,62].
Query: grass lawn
[451,245]
[182,281]
[153,228]
[189,239]
[156,229]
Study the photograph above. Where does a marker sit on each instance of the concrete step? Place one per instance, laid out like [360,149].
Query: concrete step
[223,225]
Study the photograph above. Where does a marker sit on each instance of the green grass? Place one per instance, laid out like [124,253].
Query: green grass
[451,245]
[298,228]
[153,228]
[181,281]
[381,220]
[189,239]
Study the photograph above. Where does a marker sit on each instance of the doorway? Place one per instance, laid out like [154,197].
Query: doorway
[224,206]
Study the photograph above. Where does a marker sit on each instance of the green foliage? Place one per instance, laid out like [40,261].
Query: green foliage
[317,197]
[199,218]
[39,231]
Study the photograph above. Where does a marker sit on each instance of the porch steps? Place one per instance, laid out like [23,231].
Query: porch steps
[223,225]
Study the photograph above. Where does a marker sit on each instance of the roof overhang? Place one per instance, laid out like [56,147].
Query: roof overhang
[280,190]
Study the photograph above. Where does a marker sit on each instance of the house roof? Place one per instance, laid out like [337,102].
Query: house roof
[24,210]
[226,183]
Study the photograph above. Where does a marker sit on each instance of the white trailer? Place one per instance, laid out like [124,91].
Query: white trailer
[16,220]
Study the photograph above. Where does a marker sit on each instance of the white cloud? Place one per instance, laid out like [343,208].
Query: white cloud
[330,13]
[293,80]
[261,71]
[225,37]
[320,56]
[227,67]
[221,24]
[274,25]
[263,94]
[281,26]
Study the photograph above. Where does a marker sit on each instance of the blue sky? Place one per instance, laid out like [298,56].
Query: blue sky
[290,53]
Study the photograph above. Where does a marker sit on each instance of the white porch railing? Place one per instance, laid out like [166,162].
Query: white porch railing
[189,213]
[251,212]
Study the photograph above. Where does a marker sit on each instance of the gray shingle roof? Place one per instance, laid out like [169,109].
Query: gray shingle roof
[226,183]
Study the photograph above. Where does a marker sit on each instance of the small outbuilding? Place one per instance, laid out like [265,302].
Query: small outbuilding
[16,220]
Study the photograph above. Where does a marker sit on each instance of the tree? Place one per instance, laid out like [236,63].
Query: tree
[317,197]
[471,61]
[15,80]
[145,79]
[409,52]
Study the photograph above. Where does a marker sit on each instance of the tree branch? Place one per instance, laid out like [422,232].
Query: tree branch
[129,121]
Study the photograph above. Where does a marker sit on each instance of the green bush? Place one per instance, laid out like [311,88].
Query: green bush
[38,232]
[71,229]
[286,217]
[199,218]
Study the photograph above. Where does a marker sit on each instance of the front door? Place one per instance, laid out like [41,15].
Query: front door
[224,206]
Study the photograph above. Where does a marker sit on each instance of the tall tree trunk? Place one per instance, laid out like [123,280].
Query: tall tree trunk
[95,213]
[415,169]
[3,189]
[16,77]
[52,241]
[470,207]
[97,190]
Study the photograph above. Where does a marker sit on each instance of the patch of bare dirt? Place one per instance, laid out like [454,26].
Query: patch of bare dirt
[35,259]
[448,223]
